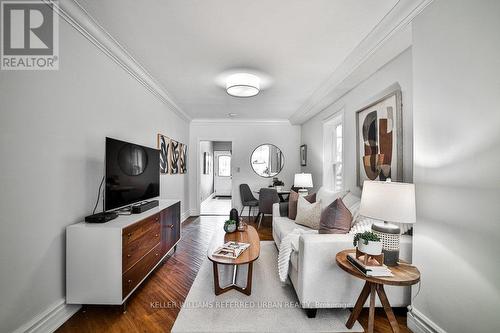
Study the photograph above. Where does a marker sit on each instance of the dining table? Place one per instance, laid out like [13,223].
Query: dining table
[282,193]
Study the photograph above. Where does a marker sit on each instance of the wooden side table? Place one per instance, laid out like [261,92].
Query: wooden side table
[404,275]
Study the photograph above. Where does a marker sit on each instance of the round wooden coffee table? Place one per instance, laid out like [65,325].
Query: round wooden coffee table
[247,257]
[404,275]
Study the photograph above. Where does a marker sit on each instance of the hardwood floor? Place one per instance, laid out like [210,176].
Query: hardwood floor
[155,305]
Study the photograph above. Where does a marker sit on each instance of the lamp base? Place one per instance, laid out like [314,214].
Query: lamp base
[389,234]
[391,257]
[303,192]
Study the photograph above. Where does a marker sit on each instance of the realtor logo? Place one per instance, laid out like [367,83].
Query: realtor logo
[29,36]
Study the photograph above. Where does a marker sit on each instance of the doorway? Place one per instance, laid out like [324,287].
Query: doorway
[215,177]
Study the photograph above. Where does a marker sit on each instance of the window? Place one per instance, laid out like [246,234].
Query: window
[224,166]
[333,153]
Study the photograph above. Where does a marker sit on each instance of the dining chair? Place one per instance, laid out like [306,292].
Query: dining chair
[247,199]
[267,197]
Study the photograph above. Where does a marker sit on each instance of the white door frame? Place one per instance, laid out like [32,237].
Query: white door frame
[217,154]
[198,170]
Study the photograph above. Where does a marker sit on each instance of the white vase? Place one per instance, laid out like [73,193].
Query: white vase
[373,248]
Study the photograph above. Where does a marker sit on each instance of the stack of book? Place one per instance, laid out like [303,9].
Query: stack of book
[231,250]
[372,268]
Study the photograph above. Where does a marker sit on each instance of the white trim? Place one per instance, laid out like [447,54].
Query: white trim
[51,319]
[419,323]
[194,212]
[352,72]
[333,121]
[185,216]
[77,17]
[208,121]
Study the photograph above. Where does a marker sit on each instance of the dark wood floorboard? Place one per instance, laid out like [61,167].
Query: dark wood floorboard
[155,305]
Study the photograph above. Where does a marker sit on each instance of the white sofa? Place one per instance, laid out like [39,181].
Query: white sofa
[316,278]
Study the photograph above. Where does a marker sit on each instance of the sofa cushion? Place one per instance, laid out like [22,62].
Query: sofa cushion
[335,219]
[352,203]
[308,214]
[327,196]
[293,200]
[282,226]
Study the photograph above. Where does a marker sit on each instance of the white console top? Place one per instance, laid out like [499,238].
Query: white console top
[123,221]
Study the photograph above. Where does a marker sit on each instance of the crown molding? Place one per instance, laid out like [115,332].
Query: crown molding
[392,32]
[226,121]
[77,17]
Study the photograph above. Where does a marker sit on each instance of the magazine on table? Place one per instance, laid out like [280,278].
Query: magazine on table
[231,250]
[369,270]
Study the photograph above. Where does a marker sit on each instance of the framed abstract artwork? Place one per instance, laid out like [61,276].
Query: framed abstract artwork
[173,156]
[379,140]
[182,158]
[163,145]
[207,159]
[303,155]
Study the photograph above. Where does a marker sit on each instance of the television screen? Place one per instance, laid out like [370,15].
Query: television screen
[132,173]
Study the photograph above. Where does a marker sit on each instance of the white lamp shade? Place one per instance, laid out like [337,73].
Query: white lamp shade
[388,201]
[303,180]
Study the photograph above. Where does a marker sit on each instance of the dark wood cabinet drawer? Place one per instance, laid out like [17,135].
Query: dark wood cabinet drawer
[137,230]
[136,273]
[136,249]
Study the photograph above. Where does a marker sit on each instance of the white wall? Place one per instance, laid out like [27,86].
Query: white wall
[206,181]
[222,146]
[396,72]
[52,130]
[245,137]
[457,161]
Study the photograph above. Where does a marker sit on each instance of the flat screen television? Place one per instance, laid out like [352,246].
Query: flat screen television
[132,173]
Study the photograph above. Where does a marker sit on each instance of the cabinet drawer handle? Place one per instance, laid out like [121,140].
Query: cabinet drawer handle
[129,235]
[157,254]
[157,219]
[171,226]
[129,281]
[129,255]
[156,235]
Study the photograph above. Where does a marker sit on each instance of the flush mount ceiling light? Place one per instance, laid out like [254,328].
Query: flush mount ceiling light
[242,85]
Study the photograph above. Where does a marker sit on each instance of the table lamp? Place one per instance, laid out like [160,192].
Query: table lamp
[303,180]
[390,202]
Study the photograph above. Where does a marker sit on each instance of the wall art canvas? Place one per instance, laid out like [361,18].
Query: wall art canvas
[163,145]
[303,155]
[174,157]
[182,158]
[206,163]
[379,140]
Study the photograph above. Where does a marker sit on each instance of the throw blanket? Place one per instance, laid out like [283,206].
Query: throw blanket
[288,244]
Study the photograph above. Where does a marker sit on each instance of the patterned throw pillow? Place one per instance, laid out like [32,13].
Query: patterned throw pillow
[292,203]
[308,214]
[335,219]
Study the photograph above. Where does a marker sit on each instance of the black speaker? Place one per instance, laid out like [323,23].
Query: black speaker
[101,217]
[144,206]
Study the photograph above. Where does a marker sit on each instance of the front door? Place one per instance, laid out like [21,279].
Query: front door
[222,173]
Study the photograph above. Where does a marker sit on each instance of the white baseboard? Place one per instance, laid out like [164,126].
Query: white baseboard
[49,320]
[419,323]
[185,215]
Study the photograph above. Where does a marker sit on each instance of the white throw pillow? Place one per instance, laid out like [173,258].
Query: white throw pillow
[352,203]
[308,214]
[327,196]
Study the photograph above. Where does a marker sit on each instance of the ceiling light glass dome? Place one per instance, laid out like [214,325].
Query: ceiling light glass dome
[243,85]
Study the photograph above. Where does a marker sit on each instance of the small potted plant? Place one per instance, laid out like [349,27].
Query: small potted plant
[230,226]
[369,243]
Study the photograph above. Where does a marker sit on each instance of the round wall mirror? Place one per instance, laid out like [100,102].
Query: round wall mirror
[267,160]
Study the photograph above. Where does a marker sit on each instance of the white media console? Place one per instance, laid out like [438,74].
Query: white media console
[106,262]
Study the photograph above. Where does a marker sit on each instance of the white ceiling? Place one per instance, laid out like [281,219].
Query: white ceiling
[187,44]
